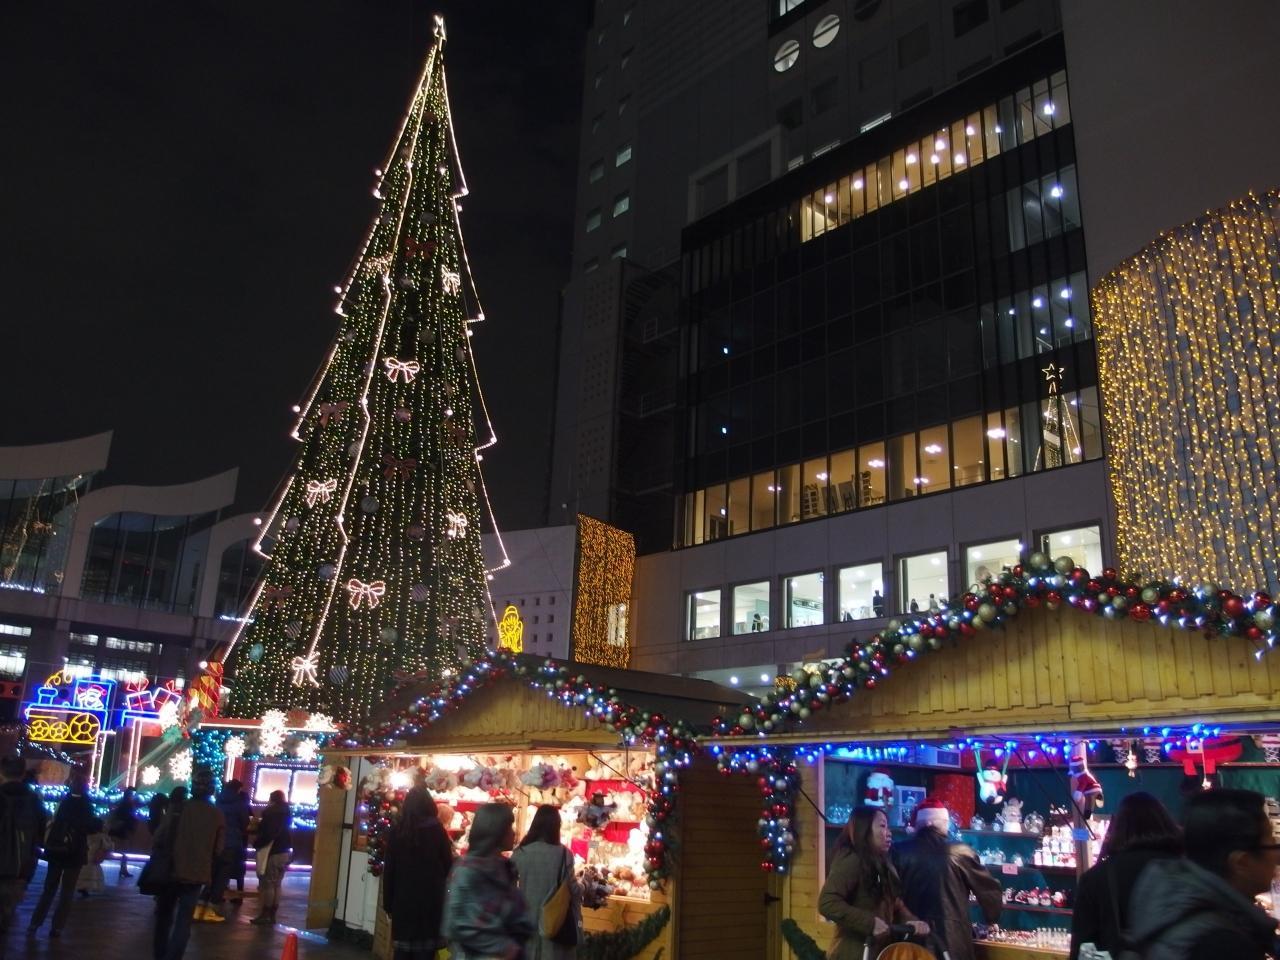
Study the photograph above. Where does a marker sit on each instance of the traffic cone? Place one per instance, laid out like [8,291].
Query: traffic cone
[290,951]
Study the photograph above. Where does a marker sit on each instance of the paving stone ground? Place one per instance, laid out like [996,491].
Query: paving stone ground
[117,924]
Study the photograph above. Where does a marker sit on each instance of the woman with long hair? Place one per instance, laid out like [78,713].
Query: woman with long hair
[862,893]
[484,913]
[543,864]
[414,876]
[1141,831]
[273,849]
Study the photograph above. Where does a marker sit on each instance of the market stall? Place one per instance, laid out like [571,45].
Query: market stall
[1031,735]
[541,738]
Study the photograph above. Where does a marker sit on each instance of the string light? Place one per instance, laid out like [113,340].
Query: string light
[605,568]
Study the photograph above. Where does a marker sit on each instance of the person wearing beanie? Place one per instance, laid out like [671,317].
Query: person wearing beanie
[937,877]
[193,832]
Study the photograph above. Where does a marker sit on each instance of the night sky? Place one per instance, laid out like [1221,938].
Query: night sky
[185,182]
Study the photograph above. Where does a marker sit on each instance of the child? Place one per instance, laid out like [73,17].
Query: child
[100,847]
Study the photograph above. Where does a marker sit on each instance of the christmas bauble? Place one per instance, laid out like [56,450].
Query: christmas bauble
[1064,565]
[1264,619]
[1038,560]
[256,650]
[348,336]
[403,414]
[354,449]
[461,353]
[326,571]
[339,674]
[986,613]
[292,524]
[369,504]
[388,635]
[415,531]
[427,335]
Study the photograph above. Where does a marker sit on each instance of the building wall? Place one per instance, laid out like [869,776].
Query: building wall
[539,584]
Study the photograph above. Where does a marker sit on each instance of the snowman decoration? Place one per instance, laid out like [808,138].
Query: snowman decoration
[879,791]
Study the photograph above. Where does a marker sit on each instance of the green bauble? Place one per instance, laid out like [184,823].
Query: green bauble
[1264,619]
[1150,595]
[1038,560]
[804,713]
[1120,604]
[893,626]
[915,641]
[1010,609]
[935,643]
[815,680]
[986,612]
[1064,565]
[746,721]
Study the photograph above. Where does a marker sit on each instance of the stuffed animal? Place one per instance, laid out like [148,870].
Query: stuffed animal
[879,792]
[597,813]
[1013,815]
[992,784]
[1086,791]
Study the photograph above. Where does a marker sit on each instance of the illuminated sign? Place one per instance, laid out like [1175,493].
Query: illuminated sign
[70,709]
[143,703]
[511,630]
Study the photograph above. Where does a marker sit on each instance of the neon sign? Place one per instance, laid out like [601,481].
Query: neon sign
[511,630]
[70,710]
[143,703]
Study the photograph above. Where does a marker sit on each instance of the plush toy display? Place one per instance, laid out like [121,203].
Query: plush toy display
[597,813]
[1086,791]
[1013,815]
[879,792]
[992,784]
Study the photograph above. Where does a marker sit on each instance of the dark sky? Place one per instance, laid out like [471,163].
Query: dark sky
[182,184]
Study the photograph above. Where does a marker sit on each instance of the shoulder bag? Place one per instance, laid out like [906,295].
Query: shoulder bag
[557,922]
[157,872]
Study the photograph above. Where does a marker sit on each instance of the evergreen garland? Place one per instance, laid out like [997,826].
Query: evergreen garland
[627,943]
[801,944]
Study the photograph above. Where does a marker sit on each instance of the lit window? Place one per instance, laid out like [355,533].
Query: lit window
[861,592]
[623,155]
[596,121]
[922,582]
[826,30]
[986,561]
[626,17]
[786,6]
[268,779]
[802,595]
[13,659]
[1081,544]
[751,607]
[596,171]
[702,619]
[619,252]
[593,220]
[786,56]
[621,204]
[13,630]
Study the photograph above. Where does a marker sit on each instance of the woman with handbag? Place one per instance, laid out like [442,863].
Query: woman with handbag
[414,874]
[484,913]
[273,849]
[546,877]
[862,893]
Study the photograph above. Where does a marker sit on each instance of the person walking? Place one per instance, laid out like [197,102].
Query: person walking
[274,849]
[156,810]
[236,814]
[862,895]
[121,823]
[22,819]
[193,834]
[91,879]
[542,864]
[1202,907]
[484,913]
[1141,831]
[66,849]
[414,877]
[937,878]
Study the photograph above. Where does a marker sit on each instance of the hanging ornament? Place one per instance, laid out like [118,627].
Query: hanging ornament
[405,281]
[397,369]
[457,525]
[348,336]
[415,531]
[427,335]
[419,593]
[338,674]
[321,491]
[477,614]
[450,282]
[388,635]
[272,593]
[353,450]
[332,411]
[304,670]
[370,593]
[233,748]
[470,485]
[393,468]
[450,390]
[326,571]
[460,352]
[403,414]
[292,524]
[293,630]
[415,248]
[256,650]
[369,504]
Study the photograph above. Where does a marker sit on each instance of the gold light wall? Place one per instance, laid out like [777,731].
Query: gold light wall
[1188,337]
[605,566]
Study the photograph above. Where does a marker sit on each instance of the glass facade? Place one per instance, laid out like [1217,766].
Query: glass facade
[147,561]
[237,573]
[36,519]
[861,592]
[918,324]
[1081,544]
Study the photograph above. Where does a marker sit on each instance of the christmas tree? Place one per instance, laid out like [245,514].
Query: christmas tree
[374,568]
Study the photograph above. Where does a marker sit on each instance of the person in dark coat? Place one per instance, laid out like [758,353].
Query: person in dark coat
[484,913]
[26,813]
[192,831]
[157,807]
[938,876]
[121,823]
[1141,831]
[273,836]
[1202,907]
[414,877]
[236,813]
[66,851]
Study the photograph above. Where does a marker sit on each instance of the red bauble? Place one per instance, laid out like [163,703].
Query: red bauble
[1131,593]
[1262,599]
[1140,611]
[1017,570]
[1253,633]
[1109,573]
[871,683]
[1030,602]
[1233,607]
[971,602]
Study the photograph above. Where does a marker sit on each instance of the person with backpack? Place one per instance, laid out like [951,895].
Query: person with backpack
[22,824]
[1202,907]
[66,850]
[189,838]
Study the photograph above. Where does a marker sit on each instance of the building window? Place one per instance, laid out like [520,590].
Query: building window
[786,56]
[922,582]
[914,46]
[826,30]
[623,102]
[623,156]
[13,630]
[968,16]
[593,220]
[625,59]
[596,121]
[802,595]
[133,646]
[825,95]
[619,252]
[621,204]
[751,607]
[13,660]
[124,669]
[596,171]
[616,627]
[861,592]
[702,619]
[592,265]
[599,78]
[985,561]
[786,6]
[77,666]
[1081,544]
[626,16]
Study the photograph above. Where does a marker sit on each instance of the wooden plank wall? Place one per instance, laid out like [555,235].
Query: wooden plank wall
[721,888]
[620,913]
[800,892]
[1059,669]
[509,712]
[323,891]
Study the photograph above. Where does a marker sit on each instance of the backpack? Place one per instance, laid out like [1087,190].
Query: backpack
[15,845]
[61,840]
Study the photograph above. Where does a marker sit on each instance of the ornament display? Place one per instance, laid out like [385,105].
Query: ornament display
[456,524]
[398,370]
[879,790]
[273,593]
[306,750]
[304,670]
[427,335]
[150,775]
[272,730]
[419,593]
[369,504]
[450,281]
[992,783]
[339,674]
[233,747]
[293,630]
[388,635]
[326,571]
[332,411]
[180,765]
[292,524]
[393,468]
[321,491]
[368,593]
[1086,791]
[415,531]
[256,651]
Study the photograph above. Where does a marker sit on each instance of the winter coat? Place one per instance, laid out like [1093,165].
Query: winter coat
[75,813]
[414,879]
[1096,918]
[236,814]
[90,879]
[273,829]
[541,868]
[29,820]
[196,833]
[852,903]
[937,876]
[484,913]
[122,820]
[1181,911]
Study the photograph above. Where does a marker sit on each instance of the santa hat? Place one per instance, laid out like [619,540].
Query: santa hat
[932,812]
